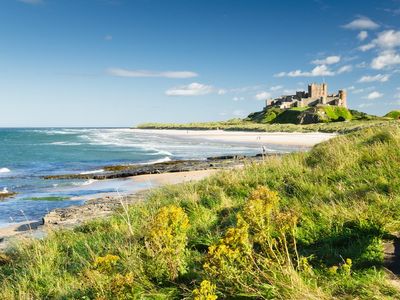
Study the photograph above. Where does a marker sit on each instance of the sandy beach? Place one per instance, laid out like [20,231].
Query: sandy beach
[244,137]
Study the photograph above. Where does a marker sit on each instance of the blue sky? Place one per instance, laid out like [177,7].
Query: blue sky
[123,62]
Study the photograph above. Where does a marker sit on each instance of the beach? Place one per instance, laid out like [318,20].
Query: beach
[245,137]
[135,188]
[101,206]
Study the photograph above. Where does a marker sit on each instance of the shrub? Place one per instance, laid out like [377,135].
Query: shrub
[231,256]
[269,226]
[206,291]
[166,242]
[105,264]
[259,208]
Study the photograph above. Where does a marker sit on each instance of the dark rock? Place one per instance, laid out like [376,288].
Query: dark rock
[122,171]
[7,195]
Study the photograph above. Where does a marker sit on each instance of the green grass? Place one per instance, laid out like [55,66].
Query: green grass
[300,108]
[338,201]
[394,114]
[337,113]
[242,125]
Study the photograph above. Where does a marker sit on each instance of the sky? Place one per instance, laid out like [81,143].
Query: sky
[123,62]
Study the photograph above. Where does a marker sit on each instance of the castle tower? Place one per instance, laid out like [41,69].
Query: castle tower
[324,93]
[318,91]
[343,98]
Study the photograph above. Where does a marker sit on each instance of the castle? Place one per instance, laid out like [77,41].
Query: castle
[317,95]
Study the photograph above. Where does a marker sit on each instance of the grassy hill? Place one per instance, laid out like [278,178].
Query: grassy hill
[306,115]
[394,114]
[300,226]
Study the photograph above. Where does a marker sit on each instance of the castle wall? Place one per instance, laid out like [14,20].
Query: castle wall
[317,94]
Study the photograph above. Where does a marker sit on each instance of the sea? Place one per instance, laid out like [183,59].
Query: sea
[28,154]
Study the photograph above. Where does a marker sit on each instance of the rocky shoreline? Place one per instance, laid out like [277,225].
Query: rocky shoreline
[93,208]
[123,171]
[104,206]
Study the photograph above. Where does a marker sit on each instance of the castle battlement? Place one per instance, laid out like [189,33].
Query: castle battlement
[317,94]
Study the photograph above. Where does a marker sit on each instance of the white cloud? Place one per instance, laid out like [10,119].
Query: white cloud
[193,89]
[378,77]
[345,69]
[146,73]
[374,95]
[385,59]
[34,2]
[276,88]
[262,95]
[236,98]
[388,39]
[327,61]
[280,74]
[321,70]
[221,92]
[361,23]
[362,35]
[108,37]
[362,64]
[366,47]
[395,11]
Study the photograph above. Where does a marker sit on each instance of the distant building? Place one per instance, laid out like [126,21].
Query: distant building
[317,95]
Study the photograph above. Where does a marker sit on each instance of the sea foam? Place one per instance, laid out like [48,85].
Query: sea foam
[4,170]
[92,172]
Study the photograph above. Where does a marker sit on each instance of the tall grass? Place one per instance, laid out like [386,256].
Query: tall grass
[242,125]
[301,226]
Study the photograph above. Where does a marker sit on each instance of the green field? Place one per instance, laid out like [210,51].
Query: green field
[300,226]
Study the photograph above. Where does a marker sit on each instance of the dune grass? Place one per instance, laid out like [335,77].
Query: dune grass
[243,125]
[300,226]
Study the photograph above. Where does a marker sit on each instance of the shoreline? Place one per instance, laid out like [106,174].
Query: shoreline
[96,207]
[156,175]
[253,138]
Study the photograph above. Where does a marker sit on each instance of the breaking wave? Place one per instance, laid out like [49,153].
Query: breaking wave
[65,143]
[4,170]
[92,172]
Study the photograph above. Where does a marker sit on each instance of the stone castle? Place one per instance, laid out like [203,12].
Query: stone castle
[317,94]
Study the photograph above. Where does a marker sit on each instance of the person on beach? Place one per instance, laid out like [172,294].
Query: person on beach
[264,150]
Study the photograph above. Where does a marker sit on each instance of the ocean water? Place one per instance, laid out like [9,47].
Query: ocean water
[28,154]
